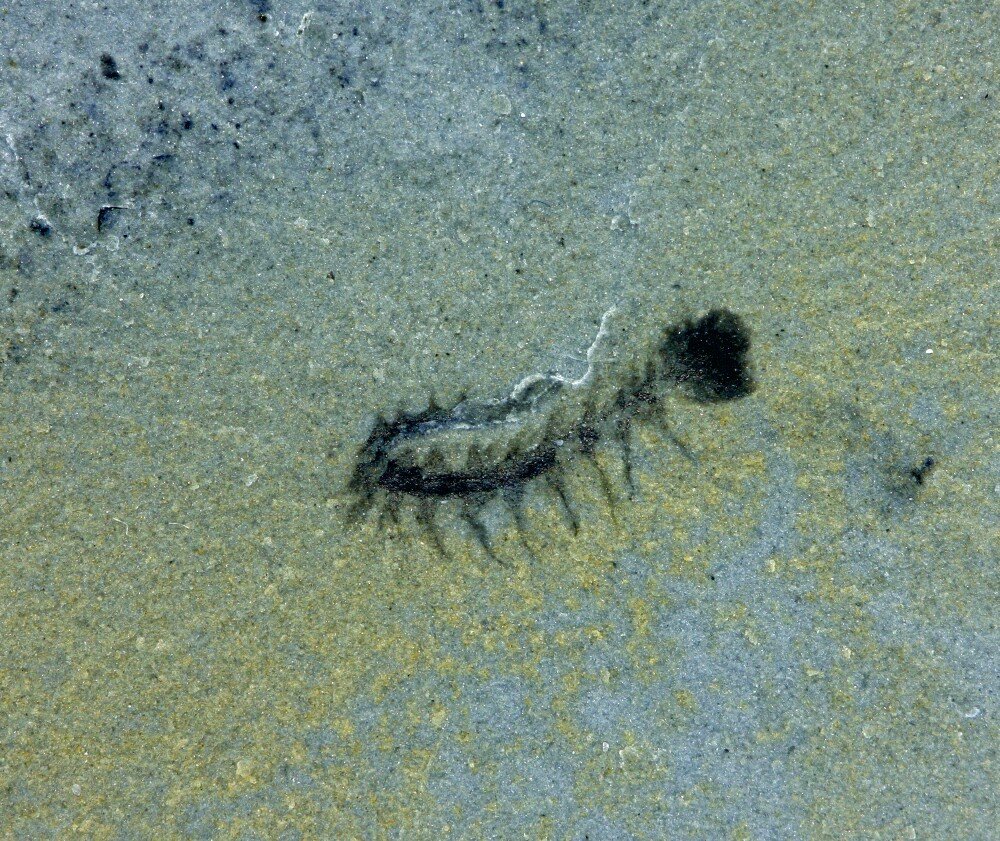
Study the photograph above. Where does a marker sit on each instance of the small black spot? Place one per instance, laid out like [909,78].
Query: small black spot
[106,216]
[41,227]
[711,357]
[109,67]
[920,473]
[14,351]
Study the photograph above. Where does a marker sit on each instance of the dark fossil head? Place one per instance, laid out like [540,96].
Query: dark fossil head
[709,357]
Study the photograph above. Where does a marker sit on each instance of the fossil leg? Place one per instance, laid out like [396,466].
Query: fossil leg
[624,429]
[513,497]
[560,490]
[605,483]
[479,530]
[684,448]
[425,517]
[360,508]
[387,513]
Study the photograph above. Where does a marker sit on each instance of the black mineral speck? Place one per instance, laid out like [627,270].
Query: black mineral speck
[109,67]
[106,216]
[41,227]
[920,473]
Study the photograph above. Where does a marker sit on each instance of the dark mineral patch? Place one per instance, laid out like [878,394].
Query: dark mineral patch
[41,227]
[920,473]
[109,67]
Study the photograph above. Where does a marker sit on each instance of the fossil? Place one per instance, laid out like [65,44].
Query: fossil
[471,453]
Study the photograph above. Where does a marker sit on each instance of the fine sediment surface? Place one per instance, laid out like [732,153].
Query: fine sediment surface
[233,237]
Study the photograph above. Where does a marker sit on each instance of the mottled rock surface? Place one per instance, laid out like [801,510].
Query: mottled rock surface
[233,234]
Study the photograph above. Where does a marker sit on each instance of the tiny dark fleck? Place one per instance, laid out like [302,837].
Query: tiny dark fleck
[41,227]
[106,216]
[187,123]
[109,67]
[920,473]
[190,220]
[14,352]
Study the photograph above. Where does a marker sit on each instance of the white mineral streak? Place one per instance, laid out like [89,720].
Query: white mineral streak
[541,407]
[520,389]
